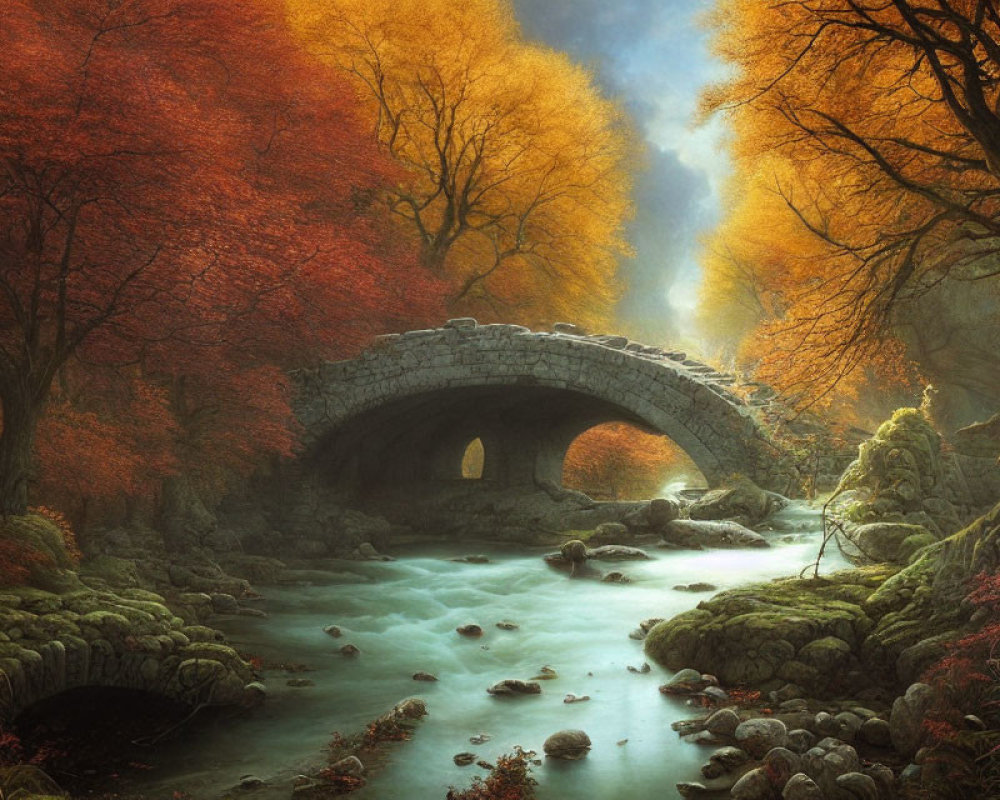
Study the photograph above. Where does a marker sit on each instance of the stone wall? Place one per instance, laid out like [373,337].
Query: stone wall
[404,411]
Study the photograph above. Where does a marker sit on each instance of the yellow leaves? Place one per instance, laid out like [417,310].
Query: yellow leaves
[517,181]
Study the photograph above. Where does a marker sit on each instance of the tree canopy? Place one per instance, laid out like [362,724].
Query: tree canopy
[866,144]
[184,210]
[517,180]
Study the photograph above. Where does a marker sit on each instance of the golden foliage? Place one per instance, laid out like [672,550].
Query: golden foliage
[867,150]
[516,182]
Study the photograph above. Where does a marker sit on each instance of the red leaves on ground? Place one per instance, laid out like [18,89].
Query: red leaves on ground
[510,779]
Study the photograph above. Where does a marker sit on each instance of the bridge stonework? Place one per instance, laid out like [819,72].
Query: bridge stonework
[405,409]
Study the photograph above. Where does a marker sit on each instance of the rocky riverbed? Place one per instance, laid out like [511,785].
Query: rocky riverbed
[567,636]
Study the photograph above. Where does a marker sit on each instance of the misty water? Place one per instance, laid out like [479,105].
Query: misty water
[403,614]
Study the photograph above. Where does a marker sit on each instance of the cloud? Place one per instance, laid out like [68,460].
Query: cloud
[652,56]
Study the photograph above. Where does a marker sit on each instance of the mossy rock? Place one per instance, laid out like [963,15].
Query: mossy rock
[881,541]
[117,573]
[740,498]
[750,635]
[901,476]
[923,604]
[912,545]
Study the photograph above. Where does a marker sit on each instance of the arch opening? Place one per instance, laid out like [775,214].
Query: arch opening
[621,461]
[85,733]
[473,460]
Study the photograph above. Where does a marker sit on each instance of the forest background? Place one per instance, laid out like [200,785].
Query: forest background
[276,183]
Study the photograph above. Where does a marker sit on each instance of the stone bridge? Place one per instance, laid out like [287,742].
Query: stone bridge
[404,411]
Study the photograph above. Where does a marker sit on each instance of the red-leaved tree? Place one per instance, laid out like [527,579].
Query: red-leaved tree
[185,207]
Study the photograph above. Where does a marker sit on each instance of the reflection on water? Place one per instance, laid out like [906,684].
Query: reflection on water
[403,615]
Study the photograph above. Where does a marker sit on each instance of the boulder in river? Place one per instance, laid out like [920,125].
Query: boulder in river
[424,676]
[741,499]
[471,630]
[617,552]
[695,587]
[568,744]
[349,650]
[511,686]
[695,533]
[573,552]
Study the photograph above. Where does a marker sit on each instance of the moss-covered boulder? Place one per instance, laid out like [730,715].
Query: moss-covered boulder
[64,634]
[740,499]
[880,542]
[923,606]
[900,476]
[804,631]
[869,626]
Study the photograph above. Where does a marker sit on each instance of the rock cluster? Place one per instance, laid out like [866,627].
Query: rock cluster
[52,642]
[792,755]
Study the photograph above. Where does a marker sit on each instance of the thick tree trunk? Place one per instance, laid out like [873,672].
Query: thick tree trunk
[16,441]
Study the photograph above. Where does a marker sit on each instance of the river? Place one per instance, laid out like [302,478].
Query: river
[403,614]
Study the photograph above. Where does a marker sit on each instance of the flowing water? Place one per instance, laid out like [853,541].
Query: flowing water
[403,614]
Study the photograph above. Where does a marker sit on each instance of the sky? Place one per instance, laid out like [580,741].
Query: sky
[653,56]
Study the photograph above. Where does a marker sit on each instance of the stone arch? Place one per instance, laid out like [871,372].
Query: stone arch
[404,410]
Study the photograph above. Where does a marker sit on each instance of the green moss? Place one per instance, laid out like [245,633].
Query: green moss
[39,534]
[749,635]
[911,546]
[115,572]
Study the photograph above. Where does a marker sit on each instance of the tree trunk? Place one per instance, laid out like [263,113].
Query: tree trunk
[16,443]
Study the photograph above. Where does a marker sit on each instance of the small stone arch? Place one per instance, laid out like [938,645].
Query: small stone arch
[405,410]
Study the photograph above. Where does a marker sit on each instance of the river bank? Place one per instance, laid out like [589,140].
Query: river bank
[402,617]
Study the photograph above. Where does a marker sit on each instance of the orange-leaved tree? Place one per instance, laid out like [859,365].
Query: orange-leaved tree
[517,183]
[184,206]
[618,461]
[873,128]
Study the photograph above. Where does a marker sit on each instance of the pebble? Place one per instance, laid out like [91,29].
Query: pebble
[546,673]
[507,625]
[572,698]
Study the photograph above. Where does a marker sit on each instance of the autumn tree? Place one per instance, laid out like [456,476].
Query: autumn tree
[873,127]
[183,205]
[618,461]
[517,182]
